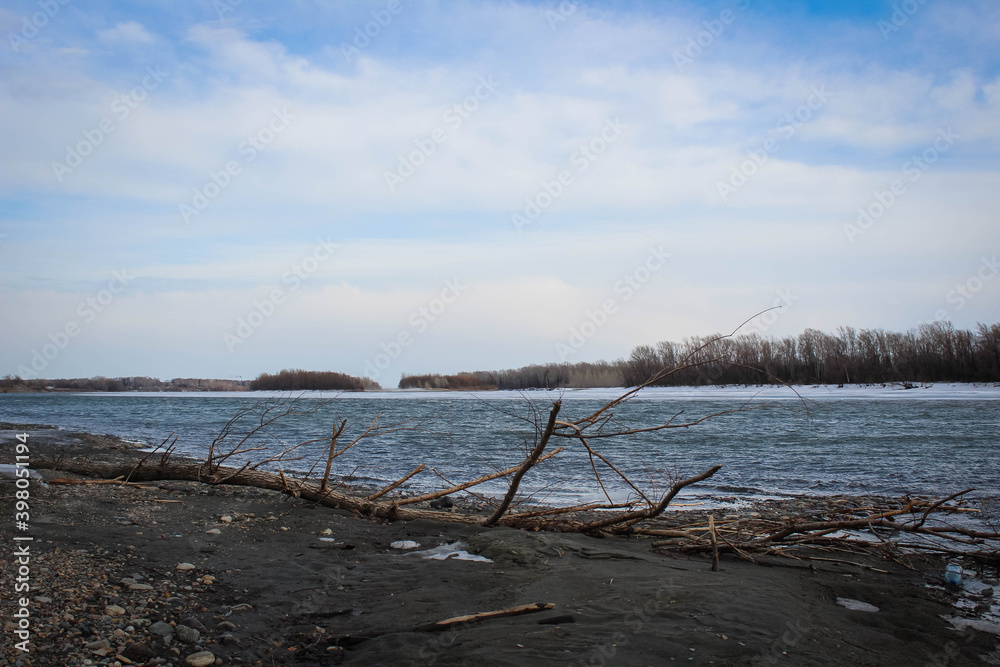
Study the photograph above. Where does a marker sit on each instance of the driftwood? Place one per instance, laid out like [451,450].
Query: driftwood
[447,624]
[914,524]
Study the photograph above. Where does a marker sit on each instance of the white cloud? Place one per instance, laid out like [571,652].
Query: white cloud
[129,32]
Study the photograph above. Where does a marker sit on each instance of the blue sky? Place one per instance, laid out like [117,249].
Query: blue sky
[233,158]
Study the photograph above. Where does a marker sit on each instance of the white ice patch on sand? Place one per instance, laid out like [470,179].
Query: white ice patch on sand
[454,550]
[405,544]
[856,605]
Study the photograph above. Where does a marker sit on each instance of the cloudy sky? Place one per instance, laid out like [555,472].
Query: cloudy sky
[222,188]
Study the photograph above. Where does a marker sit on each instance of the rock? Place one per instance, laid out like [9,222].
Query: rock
[200,659]
[243,606]
[187,634]
[138,653]
[41,599]
[442,503]
[225,626]
[326,531]
[230,640]
[140,587]
[184,566]
[103,643]
[193,622]
[160,628]
[213,531]
[225,518]
[114,610]
[127,581]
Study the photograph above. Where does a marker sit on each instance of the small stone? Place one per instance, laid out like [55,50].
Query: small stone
[114,610]
[193,622]
[103,643]
[184,566]
[200,659]
[41,599]
[160,628]
[225,626]
[127,581]
[326,531]
[214,531]
[208,579]
[187,634]
[140,587]
[139,653]
[225,518]
[230,640]
[243,606]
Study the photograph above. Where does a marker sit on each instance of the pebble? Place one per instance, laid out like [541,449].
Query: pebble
[160,628]
[187,634]
[140,587]
[200,659]
[326,531]
[114,610]
[139,653]
[103,643]
[193,622]
[214,531]
[224,626]
[184,566]
[225,518]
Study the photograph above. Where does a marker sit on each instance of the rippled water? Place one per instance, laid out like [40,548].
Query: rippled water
[853,440]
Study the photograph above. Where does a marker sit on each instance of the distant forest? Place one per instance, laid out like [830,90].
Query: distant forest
[935,352]
[14,384]
[299,380]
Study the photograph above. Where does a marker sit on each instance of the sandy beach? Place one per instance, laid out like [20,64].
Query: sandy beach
[177,573]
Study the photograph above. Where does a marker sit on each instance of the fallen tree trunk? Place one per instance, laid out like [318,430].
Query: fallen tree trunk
[195,472]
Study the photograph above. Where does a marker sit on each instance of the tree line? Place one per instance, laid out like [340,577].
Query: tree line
[296,379]
[99,383]
[935,352]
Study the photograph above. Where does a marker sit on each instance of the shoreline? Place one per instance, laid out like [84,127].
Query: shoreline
[109,547]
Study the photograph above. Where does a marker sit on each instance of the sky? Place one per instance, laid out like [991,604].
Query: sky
[221,188]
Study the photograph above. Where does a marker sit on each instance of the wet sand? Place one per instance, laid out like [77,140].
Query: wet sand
[104,567]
